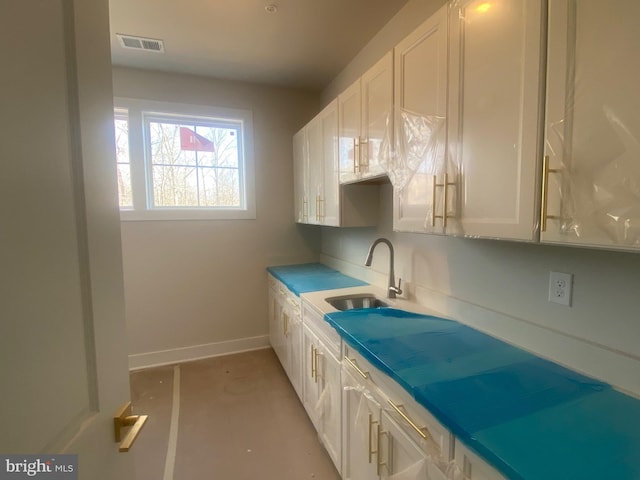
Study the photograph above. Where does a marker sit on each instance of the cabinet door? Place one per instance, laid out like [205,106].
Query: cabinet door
[300,180]
[294,346]
[494,117]
[469,466]
[361,416]
[330,199]
[420,97]
[377,117]
[330,404]
[273,317]
[310,388]
[399,453]
[315,144]
[349,117]
[276,328]
[593,124]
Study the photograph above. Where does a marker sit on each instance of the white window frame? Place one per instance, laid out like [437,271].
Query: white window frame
[140,160]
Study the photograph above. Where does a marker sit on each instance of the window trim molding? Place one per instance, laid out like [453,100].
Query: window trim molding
[139,178]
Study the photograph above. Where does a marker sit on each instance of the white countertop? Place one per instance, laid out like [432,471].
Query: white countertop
[317,300]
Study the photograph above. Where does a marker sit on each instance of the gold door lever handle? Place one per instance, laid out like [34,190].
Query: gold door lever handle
[122,419]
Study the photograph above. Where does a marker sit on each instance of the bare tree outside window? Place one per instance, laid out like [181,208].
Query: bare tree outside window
[122,159]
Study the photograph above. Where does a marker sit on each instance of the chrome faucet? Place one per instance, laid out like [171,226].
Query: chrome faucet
[392,291]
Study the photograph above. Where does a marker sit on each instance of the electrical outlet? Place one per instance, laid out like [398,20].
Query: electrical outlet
[560,288]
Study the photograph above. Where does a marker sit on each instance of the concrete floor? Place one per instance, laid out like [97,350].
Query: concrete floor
[238,419]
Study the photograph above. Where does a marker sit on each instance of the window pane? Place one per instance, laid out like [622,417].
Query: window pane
[166,146]
[124,185]
[195,165]
[175,186]
[121,124]
[219,187]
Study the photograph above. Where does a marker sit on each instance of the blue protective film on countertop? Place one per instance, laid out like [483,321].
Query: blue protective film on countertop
[312,277]
[488,393]
[485,399]
[592,437]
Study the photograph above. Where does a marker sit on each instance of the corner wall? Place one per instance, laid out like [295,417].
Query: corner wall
[198,288]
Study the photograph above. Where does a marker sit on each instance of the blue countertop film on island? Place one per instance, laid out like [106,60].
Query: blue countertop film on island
[312,277]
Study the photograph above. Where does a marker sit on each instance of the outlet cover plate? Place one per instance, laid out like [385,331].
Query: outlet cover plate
[560,286]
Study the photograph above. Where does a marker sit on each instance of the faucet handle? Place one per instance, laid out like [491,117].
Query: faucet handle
[397,290]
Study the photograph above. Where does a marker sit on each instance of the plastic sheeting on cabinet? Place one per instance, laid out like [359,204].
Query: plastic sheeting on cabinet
[592,136]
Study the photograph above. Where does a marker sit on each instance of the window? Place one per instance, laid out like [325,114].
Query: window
[182,162]
[122,158]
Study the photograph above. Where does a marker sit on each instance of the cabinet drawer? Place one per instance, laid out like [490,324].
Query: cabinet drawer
[325,332]
[469,466]
[289,300]
[273,282]
[413,418]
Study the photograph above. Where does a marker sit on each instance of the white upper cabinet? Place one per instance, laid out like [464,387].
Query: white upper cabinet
[319,197]
[329,202]
[365,123]
[494,121]
[592,131]
[300,177]
[316,183]
[420,105]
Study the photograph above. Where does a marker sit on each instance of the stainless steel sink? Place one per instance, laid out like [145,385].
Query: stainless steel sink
[356,301]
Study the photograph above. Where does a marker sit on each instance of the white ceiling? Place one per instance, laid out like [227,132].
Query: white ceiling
[304,45]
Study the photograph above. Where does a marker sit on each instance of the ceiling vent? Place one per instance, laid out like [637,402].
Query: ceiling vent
[140,43]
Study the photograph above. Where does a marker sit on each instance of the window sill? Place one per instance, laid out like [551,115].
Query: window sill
[179,215]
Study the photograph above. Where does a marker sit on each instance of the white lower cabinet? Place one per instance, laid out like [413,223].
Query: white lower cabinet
[370,426]
[276,325]
[285,330]
[469,466]
[322,385]
[311,392]
[361,419]
[400,458]
[383,438]
[293,346]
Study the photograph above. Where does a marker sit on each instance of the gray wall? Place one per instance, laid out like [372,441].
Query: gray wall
[190,283]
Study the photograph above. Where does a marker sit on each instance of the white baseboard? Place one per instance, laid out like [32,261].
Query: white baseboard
[186,354]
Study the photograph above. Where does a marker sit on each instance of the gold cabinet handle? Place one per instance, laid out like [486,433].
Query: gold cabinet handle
[380,463]
[372,422]
[356,155]
[317,354]
[545,193]
[419,430]
[313,362]
[433,202]
[466,468]
[285,324]
[321,207]
[305,209]
[363,141]
[353,363]
[445,202]
[123,419]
